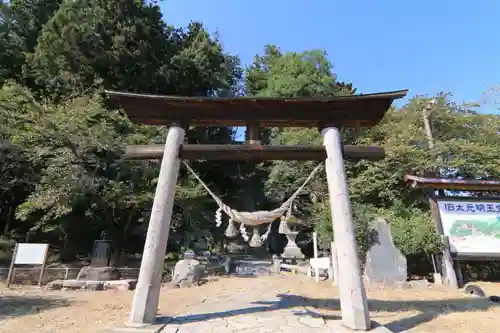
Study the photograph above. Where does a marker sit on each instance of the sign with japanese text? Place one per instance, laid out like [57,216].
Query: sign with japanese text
[472,226]
[30,254]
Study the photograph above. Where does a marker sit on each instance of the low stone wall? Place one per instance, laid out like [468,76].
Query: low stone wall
[218,265]
[92,285]
[30,276]
[251,267]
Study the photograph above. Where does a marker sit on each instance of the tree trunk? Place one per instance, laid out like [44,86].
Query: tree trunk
[8,220]
[67,251]
[117,246]
[120,239]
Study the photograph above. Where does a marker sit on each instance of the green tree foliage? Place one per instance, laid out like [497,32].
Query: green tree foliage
[288,75]
[20,25]
[17,175]
[125,45]
[10,47]
[77,148]
[76,185]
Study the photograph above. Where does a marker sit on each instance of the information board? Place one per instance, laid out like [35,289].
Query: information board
[30,254]
[471,226]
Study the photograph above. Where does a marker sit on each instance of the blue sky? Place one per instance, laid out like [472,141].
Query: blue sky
[425,46]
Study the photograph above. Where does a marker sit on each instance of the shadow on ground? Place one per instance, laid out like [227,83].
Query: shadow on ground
[428,310]
[20,305]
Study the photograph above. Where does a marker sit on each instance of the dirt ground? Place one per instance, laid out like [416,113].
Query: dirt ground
[420,309]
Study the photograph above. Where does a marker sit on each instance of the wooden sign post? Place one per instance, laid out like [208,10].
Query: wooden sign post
[28,254]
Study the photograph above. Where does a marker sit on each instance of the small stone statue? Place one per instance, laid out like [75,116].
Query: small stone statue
[187,271]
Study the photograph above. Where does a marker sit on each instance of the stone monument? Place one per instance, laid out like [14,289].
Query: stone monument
[101,254]
[385,264]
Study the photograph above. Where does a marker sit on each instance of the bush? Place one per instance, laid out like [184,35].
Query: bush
[412,230]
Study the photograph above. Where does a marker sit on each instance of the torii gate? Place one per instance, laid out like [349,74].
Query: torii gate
[328,114]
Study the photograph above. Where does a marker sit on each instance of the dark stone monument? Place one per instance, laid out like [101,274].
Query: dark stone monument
[102,253]
[385,264]
[201,245]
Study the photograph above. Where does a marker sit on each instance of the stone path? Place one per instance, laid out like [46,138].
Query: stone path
[247,313]
[249,318]
[245,317]
[267,304]
[264,323]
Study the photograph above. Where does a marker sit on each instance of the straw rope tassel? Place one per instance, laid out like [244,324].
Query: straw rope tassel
[265,236]
[218,217]
[282,229]
[256,241]
[244,233]
[231,230]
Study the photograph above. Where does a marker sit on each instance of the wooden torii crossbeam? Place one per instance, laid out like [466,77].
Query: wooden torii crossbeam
[252,152]
[328,114]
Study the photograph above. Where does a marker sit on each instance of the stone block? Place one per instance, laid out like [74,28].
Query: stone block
[93,285]
[89,273]
[54,285]
[73,284]
[121,284]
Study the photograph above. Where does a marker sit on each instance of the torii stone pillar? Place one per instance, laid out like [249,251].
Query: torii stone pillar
[353,302]
[147,293]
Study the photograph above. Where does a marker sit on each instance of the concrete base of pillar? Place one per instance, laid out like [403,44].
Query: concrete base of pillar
[158,327]
[337,327]
[143,329]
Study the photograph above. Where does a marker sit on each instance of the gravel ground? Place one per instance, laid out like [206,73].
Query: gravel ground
[420,309]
